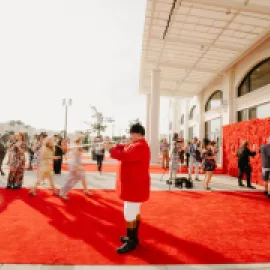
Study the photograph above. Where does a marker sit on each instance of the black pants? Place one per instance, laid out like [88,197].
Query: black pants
[31,157]
[244,170]
[187,155]
[99,162]
[1,162]
[57,165]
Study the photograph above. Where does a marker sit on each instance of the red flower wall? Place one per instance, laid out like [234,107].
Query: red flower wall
[255,131]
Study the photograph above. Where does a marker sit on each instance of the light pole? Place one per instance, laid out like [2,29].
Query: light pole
[66,103]
[110,120]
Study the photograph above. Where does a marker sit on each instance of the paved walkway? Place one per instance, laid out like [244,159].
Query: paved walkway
[107,181]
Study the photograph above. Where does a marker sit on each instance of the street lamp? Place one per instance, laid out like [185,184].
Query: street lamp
[66,103]
[110,120]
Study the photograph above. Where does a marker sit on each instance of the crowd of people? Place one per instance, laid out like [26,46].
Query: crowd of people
[196,155]
[44,152]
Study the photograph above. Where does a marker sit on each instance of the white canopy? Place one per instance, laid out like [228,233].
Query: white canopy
[194,41]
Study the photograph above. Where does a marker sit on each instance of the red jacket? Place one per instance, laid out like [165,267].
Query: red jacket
[133,179]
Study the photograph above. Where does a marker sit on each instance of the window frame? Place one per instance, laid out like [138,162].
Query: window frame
[248,76]
[191,112]
[210,98]
[182,120]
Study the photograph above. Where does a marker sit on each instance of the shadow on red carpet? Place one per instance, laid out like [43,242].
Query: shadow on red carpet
[177,228]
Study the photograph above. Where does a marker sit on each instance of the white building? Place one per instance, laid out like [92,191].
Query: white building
[212,58]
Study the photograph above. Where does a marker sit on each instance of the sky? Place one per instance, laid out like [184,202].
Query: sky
[86,50]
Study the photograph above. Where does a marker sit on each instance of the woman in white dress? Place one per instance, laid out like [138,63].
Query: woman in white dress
[76,170]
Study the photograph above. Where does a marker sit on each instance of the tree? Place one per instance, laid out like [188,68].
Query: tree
[98,124]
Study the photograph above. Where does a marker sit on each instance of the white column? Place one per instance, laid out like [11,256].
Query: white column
[148,107]
[200,118]
[175,116]
[231,99]
[155,115]
[186,119]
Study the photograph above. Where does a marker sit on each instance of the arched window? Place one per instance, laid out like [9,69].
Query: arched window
[256,78]
[191,113]
[215,101]
[182,119]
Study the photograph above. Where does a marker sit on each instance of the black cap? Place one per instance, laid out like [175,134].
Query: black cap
[137,128]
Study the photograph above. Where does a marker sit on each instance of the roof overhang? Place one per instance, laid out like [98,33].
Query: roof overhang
[194,41]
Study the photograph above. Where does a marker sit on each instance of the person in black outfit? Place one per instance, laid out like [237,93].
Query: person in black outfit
[244,167]
[3,150]
[187,154]
[31,156]
[99,152]
[57,163]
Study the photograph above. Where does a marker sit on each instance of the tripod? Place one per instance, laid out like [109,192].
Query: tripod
[170,180]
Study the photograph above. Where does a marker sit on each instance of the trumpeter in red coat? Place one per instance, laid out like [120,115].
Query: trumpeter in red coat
[133,182]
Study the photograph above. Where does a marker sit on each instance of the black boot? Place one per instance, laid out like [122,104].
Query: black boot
[240,183]
[130,244]
[124,239]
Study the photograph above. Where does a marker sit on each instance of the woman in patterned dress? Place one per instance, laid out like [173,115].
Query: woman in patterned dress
[208,163]
[17,162]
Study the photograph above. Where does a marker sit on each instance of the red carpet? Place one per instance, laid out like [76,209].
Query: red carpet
[177,228]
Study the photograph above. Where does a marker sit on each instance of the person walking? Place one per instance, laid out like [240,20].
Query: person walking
[187,154]
[164,149]
[99,152]
[58,152]
[3,151]
[208,163]
[244,167]
[133,183]
[76,171]
[17,163]
[44,171]
[30,156]
[265,155]
[174,164]
[181,151]
[195,158]
[11,143]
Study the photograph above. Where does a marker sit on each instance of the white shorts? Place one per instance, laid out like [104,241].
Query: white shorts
[131,210]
